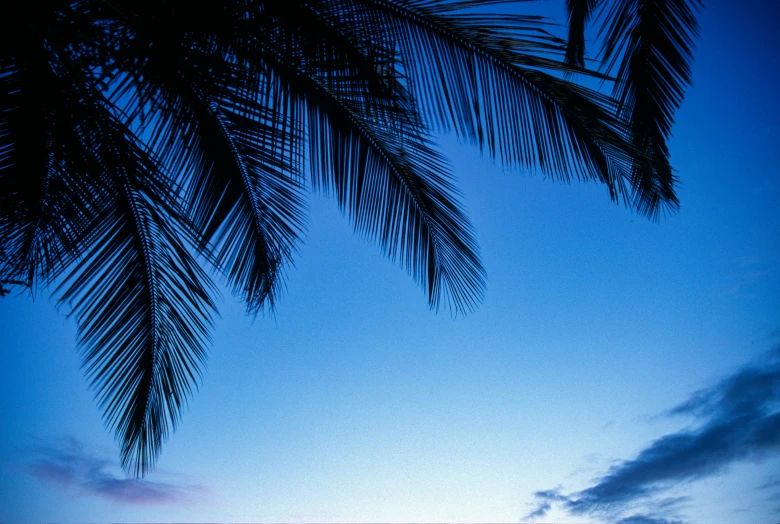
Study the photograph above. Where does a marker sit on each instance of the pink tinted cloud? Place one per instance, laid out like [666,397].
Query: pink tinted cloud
[66,464]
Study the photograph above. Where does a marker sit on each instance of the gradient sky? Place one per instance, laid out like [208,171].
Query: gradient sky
[618,370]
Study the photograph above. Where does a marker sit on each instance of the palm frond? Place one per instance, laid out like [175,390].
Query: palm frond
[650,43]
[489,86]
[142,303]
[239,155]
[46,195]
[25,179]
[257,236]
[368,148]
[398,191]
[578,13]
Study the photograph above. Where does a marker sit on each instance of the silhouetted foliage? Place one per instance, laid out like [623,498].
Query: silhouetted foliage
[142,141]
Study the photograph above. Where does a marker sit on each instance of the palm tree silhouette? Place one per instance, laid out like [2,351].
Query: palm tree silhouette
[141,141]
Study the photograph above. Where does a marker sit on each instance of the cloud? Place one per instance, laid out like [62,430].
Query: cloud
[541,510]
[771,483]
[66,464]
[645,519]
[738,420]
[770,490]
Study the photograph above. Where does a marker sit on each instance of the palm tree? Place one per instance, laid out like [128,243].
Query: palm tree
[143,141]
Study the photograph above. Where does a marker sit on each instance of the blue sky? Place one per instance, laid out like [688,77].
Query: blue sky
[609,351]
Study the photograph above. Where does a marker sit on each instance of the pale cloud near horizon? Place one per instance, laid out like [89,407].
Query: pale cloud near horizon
[65,463]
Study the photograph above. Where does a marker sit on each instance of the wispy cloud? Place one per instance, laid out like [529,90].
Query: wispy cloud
[66,463]
[738,419]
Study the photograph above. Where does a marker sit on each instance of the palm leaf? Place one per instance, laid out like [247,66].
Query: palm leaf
[578,13]
[142,303]
[46,195]
[479,83]
[367,147]
[650,43]
[239,155]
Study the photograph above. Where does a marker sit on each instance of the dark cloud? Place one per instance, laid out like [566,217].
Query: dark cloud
[646,519]
[66,464]
[738,420]
[540,511]
[545,500]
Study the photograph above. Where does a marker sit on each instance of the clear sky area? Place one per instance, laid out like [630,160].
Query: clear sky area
[618,370]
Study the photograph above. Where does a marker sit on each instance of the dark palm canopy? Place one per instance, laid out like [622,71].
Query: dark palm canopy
[142,141]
